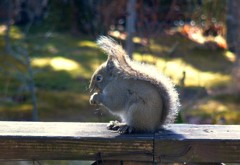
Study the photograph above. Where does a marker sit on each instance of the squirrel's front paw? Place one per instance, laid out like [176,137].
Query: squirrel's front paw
[121,128]
[94,99]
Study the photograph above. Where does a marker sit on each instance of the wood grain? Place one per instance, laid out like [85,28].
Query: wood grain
[70,141]
[92,141]
[198,143]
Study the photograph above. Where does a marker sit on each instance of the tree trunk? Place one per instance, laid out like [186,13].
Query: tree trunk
[8,26]
[233,39]
[232,24]
[131,19]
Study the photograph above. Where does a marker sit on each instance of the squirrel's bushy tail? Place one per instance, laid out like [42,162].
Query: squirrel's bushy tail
[134,70]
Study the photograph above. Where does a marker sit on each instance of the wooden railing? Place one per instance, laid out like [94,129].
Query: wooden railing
[92,141]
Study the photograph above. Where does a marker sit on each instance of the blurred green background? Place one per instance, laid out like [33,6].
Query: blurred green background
[48,54]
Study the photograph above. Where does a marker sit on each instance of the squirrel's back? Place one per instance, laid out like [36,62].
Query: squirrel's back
[129,69]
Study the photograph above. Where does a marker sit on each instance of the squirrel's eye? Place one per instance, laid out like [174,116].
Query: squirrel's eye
[99,78]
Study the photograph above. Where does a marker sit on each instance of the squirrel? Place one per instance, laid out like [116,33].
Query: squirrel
[138,93]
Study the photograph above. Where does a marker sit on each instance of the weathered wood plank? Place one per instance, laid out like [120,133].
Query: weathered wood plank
[92,141]
[198,143]
[70,141]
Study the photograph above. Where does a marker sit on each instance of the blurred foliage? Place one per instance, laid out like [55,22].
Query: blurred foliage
[64,56]
[94,17]
[63,66]
[207,12]
[222,109]
[71,14]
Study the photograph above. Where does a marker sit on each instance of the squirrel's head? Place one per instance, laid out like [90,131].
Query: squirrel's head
[102,76]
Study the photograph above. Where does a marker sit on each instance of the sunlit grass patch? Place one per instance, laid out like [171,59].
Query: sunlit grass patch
[175,67]
[230,56]
[15,32]
[41,62]
[57,63]
[78,57]
[61,64]
[156,47]
[89,44]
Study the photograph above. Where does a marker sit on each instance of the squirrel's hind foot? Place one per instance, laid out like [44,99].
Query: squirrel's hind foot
[121,128]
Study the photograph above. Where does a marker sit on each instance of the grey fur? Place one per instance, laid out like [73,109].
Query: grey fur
[142,96]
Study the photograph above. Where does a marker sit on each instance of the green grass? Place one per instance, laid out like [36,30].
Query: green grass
[222,109]
[63,65]
[203,67]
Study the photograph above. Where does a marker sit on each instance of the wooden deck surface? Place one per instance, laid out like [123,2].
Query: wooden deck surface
[92,141]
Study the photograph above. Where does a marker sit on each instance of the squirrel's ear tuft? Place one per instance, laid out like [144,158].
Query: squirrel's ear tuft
[110,66]
[110,58]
